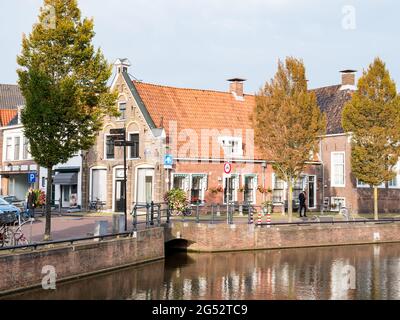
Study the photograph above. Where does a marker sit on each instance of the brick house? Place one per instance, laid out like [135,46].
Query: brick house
[202,130]
[340,185]
[17,162]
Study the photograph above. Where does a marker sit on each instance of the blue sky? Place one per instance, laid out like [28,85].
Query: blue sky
[200,44]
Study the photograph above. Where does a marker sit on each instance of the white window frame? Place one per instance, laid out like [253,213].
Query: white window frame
[129,139]
[333,184]
[236,182]
[255,185]
[105,148]
[361,185]
[396,169]
[187,180]
[126,108]
[333,201]
[237,153]
[204,184]
[91,180]
[284,190]
[13,136]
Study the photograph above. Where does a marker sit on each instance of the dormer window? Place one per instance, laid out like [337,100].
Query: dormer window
[232,146]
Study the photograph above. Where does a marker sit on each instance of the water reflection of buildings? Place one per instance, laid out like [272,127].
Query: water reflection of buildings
[316,273]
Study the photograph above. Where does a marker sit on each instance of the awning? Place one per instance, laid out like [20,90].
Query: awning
[66,178]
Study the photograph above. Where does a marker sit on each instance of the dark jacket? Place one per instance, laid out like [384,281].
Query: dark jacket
[31,200]
[302,198]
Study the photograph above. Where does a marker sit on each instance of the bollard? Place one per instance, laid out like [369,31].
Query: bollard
[197,214]
[250,213]
[152,214]
[269,219]
[147,214]
[218,211]
[241,210]
[259,218]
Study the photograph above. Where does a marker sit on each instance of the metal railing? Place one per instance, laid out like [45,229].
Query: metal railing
[71,241]
[158,213]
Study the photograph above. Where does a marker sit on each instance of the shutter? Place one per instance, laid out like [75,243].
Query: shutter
[204,182]
[254,182]
[187,183]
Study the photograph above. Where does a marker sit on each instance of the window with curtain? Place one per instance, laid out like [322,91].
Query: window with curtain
[9,148]
[17,145]
[110,150]
[99,185]
[122,111]
[134,150]
[25,153]
[338,174]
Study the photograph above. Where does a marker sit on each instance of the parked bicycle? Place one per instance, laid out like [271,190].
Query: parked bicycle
[6,236]
[96,205]
[18,237]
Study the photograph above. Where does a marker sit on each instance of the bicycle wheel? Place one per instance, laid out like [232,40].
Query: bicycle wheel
[6,238]
[20,240]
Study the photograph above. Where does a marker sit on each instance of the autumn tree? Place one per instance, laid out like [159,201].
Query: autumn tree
[372,117]
[288,122]
[64,82]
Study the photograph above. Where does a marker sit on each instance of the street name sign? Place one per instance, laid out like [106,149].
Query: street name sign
[117,131]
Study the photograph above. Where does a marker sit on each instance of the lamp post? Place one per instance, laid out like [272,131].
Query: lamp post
[119,137]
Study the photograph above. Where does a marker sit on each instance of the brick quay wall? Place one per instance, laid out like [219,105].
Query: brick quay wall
[22,270]
[241,237]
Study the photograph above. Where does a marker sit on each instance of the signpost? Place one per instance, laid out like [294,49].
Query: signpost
[119,137]
[227,171]
[32,178]
[168,161]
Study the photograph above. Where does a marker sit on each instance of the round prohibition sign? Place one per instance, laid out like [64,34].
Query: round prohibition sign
[227,168]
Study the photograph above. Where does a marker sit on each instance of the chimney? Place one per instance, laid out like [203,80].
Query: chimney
[122,65]
[348,79]
[236,88]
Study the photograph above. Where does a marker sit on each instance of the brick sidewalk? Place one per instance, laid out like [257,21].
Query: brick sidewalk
[66,227]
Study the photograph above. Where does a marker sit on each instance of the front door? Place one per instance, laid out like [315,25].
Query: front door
[66,195]
[119,196]
[144,186]
[311,192]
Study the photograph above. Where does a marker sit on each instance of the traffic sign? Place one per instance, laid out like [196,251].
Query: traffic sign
[117,137]
[227,168]
[32,177]
[117,131]
[119,143]
[168,161]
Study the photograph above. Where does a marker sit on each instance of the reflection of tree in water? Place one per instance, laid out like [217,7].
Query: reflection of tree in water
[313,273]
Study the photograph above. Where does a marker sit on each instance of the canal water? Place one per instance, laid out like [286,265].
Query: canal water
[352,272]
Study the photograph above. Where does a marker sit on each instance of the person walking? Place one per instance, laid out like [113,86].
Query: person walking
[302,199]
[31,203]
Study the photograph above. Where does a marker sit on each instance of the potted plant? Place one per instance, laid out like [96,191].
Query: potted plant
[215,190]
[177,200]
[267,206]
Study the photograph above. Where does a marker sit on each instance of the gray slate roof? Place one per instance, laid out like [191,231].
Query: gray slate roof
[331,100]
[10,96]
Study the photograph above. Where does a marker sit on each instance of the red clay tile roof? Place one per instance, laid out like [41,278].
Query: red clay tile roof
[6,115]
[196,109]
[206,109]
